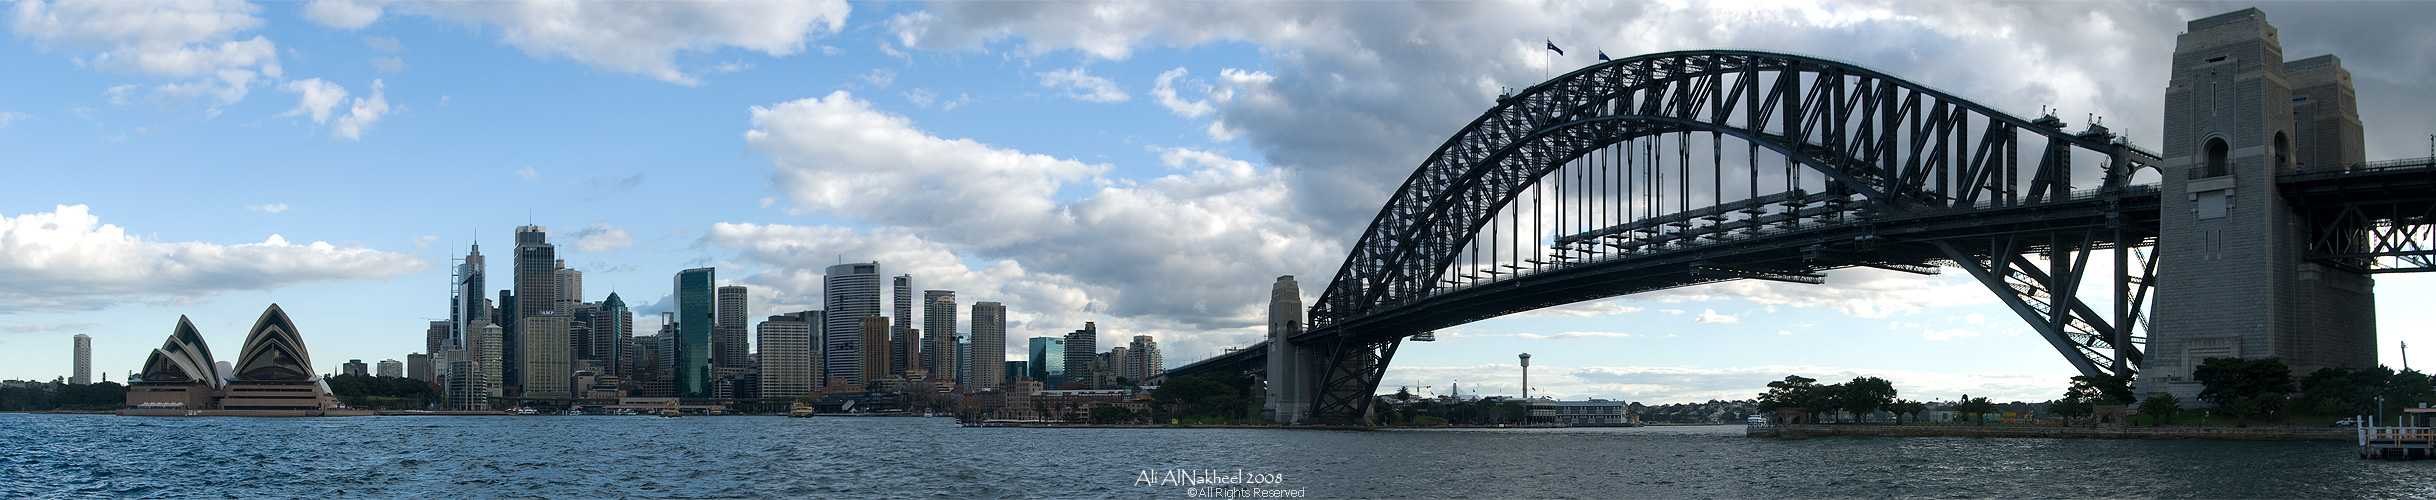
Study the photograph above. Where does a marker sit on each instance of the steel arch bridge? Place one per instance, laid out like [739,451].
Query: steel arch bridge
[1683,168]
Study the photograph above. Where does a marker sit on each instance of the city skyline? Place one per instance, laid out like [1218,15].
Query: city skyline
[1193,166]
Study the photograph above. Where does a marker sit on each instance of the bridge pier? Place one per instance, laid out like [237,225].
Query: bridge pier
[2235,254]
[1291,378]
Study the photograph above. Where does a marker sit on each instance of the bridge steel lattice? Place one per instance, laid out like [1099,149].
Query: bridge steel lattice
[1618,178]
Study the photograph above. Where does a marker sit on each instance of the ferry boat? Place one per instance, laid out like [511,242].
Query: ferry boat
[799,410]
[671,410]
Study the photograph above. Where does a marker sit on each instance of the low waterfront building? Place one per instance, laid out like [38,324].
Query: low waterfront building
[1592,412]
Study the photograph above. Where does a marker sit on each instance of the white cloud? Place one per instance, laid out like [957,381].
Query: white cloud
[67,260]
[268,207]
[528,174]
[363,113]
[1947,334]
[1711,316]
[425,241]
[384,44]
[1164,89]
[600,238]
[1538,336]
[10,117]
[193,40]
[1858,292]
[646,37]
[343,14]
[315,97]
[1589,309]
[389,64]
[1196,234]
[47,327]
[878,77]
[921,97]
[1081,85]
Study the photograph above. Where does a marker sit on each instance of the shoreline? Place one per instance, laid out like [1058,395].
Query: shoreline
[1796,431]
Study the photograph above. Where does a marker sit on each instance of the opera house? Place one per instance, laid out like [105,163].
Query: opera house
[271,378]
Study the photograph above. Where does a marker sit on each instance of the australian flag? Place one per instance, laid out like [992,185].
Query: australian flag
[1602,56]
[1552,46]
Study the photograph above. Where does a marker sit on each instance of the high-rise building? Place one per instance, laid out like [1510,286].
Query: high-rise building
[536,293]
[436,335]
[939,332]
[1015,370]
[1114,363]
[612,330]
[1048,360]
[473,367]
[1142,359]
[729,348]
[901,309]
[390,368]
[697,320]
[579,332]
[786,355]
[354,367]
[419,367]
[875,349]
[569,287]
[903,348]
[964,360]
[849,293]
[466,301]
[84,361]
[1081,345]
[989,345]
[547,371]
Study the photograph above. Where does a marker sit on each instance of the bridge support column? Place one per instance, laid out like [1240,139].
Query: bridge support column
[2240,283]
[1288,388]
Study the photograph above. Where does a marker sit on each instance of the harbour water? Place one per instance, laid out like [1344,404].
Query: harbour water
[97,456]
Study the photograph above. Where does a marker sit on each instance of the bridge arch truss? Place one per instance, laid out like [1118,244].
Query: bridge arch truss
[1683,168]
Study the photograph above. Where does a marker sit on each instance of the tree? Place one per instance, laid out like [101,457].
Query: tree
[2160,408]
[1111,414]
[1977,408]
[1794,391]
[2068,408]
[1903,407]
[1404,394]
[1203,394]
[1864,395]
[2101,390]
[2227,381]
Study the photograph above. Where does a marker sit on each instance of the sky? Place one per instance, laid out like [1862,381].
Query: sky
[1151,167]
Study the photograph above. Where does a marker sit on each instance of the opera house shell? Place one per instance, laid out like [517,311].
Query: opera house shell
[272,377]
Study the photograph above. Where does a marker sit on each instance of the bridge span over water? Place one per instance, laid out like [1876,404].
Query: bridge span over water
[2254,234]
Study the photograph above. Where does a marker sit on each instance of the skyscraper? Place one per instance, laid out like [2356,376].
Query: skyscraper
[939,330]
[354,367]
[569,287]
[849,293]
[473,367]
[418,367]
[697,318]
[875,349]
[989,349]
[1142,359]
[466,301]
[548,372]
[1081,346]
[729,346]
[786,355]
[1048,361]
[612,330]
[390,368]
[84,361]
[536,293]
[899,334]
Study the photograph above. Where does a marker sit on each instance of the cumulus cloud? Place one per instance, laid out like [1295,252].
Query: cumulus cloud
[1164,89]
[1711,316]
[362,113]
[343,14]
[320,98]
[528,174]
[1208,235]
[1080,85]
[599,238]
[1588,309]
[10,117]
[389,64]
[47,327]
[1947,334]
[194,42]
[268,207]
[645,37]
[67,260]
[425,241]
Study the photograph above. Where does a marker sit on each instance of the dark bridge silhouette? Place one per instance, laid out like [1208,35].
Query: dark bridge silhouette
[1684,168]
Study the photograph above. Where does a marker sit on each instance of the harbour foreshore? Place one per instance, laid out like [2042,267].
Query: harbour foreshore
[2178,432]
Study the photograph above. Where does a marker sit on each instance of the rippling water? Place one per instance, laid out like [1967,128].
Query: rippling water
[92,456]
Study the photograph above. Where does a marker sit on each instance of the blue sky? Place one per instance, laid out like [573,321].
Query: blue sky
[1148,166]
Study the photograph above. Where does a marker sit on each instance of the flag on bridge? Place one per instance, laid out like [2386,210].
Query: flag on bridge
[1602,56]
[1552,46]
